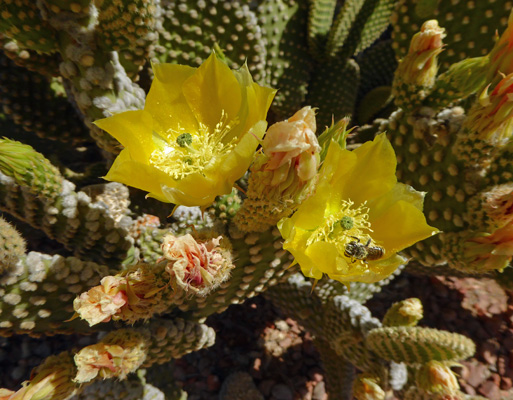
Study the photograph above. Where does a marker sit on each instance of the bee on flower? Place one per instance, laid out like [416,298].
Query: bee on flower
[359,217]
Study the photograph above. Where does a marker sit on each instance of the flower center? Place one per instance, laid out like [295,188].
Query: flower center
[186,153]
[348,228]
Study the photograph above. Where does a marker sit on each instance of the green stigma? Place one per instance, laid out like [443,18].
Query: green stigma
[346,223]
[184,140]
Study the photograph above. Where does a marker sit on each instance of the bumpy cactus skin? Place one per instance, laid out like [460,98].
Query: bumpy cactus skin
[445,106]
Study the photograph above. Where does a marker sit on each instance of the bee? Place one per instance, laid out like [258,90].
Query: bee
[364,252]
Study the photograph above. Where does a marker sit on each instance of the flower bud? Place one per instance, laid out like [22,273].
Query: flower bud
[196,266]
[491,209]
[420,66]
[119,353]
[437,377]
[491,117]
[284,174]
[501,57]
[404,313]
[293,143]
[367,388]
[51,380]
[480,251]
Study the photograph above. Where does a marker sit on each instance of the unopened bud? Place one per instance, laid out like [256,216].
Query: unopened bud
[367,388]
[491,117]
[437,377]
[480,251]
[283,175]
[51,380]
[420,66]
[404,313]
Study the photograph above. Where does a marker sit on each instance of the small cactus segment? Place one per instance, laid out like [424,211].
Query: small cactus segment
[424,159]
[320,19]
[131,388]
[37,294]
[191,30]
[29,169]
[357,26]
[470,25]
[21,20]
[289,63]
[225,207]
[333,90]
[75,6]
[374,21]
[12,246]
[128,28]
[458,82]
[414,345]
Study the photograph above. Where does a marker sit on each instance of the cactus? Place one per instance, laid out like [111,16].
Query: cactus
[143,275]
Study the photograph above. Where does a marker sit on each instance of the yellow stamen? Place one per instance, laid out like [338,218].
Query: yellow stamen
[344,226]
[180,157]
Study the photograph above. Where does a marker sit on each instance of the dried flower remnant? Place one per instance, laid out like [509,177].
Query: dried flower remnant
[119,353]
[130,296]
[196,266]
[50,380]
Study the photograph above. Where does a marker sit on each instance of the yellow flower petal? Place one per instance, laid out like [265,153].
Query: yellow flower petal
[374,172]
[323,258]
[196,136]
[212,90]
[133,129]
[399,226]
[139,175]
[358,218]
[166,101]
[195,190]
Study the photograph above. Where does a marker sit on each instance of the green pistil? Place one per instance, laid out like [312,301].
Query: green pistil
[184,140]
[346,223]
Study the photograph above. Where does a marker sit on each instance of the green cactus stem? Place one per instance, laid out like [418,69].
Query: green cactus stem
[85,227]
[415,345]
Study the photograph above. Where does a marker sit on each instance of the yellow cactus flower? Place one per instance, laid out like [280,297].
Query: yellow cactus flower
[358,218]
[196,136]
